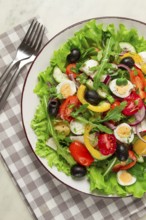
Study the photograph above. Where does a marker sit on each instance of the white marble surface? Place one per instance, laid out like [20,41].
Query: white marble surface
[56,15]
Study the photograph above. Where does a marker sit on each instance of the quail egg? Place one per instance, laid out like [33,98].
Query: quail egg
[121,91]
[66,88]
[124,133]
[124,178]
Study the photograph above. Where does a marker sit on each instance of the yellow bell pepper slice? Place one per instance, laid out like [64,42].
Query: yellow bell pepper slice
[103,107]
[94,152]
[136,57]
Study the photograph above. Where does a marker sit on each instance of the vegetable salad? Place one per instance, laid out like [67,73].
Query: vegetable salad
[91,119]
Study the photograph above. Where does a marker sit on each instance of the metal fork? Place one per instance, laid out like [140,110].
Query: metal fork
[35,48]
[24,50]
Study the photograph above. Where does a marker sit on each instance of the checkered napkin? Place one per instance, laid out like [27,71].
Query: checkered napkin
[47,198]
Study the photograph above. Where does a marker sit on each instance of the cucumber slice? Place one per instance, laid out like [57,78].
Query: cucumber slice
[51,143]
[140,159]
[101,93]
[58,75]
[77,127]
[104,94]
[89,84]
[125,46]
[87,67]
[79,138]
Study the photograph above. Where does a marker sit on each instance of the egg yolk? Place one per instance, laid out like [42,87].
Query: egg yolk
[65,90]
[125,177]
[124,132]
[122,89]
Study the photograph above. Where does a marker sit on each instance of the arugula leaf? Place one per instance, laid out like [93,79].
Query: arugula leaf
[98,126]
[105,58]
[105,35]
[60,150]
[81,109]
[82,78]
[103,128]
[112,163]
[115,114]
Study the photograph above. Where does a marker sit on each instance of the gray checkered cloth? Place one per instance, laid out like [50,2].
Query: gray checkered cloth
[46,197]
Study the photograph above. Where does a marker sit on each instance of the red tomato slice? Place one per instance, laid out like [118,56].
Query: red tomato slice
[80,153]
[134,103]
[107,143]
[69,70]
[67,107]
[139,81]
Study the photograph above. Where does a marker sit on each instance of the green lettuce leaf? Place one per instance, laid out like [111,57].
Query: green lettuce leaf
[52,157]
[131,36]
[139,188]
[104,185]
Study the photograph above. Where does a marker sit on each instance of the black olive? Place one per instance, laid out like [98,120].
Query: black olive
[53,107]
[73,56]
[122,152]
[78,171]
[92,97]
[128,61]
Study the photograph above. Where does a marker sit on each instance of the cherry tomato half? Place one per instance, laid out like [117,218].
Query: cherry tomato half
[80,153]
[134,103]
[67,107]
[115,104]
[107,143]
[70,70]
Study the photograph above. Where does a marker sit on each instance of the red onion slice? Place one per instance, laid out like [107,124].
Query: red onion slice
[71,77]
[110,125]
[107,79]
[139,116]
[139,135]
[125,67]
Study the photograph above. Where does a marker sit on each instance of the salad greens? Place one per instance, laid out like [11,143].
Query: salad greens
[91,123]
[100,71]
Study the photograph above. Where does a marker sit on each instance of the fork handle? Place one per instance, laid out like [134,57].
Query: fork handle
[12,81]
[7,71]
[9,87]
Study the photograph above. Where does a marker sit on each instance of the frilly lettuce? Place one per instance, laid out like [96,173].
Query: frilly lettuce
[109,185]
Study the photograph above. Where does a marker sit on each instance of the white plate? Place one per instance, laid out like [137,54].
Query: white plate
[30,100]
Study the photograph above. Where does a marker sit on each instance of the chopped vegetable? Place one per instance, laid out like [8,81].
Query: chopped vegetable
[91,119]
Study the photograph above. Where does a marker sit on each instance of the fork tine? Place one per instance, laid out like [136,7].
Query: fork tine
[33,34]
[29,31]
[37,31]
[40,38]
